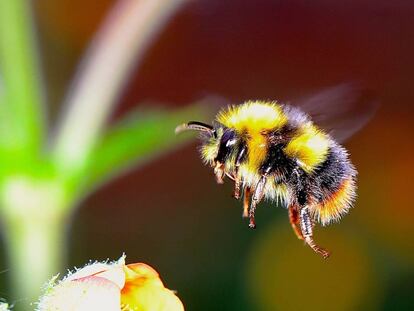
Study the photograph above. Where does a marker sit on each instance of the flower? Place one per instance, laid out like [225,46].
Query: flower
[110,287]
[4,306]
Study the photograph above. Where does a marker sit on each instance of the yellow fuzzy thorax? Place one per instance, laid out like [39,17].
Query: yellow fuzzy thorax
[253,120]
[310,147]
[253,117]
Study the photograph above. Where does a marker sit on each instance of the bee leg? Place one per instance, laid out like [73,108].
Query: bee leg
[237,184]
[257,197]
[219,172]
[237,180]
[252,221]
[294,221]
[246,202]
[306,225]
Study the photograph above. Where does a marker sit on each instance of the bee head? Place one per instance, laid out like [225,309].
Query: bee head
[217,141]
[210,137]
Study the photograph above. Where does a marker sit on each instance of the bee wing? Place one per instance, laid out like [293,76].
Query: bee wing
[341,110]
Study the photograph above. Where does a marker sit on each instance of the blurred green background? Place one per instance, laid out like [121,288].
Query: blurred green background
[171,214]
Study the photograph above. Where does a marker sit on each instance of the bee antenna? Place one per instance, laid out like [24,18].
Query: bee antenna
[194,125]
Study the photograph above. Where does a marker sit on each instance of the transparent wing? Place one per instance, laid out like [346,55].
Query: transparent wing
[341,110]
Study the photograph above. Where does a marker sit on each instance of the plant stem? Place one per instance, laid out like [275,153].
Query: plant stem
[34,222]
[21,112]
[117,49]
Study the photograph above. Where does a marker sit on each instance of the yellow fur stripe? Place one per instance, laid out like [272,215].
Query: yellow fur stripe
[337,205]
[310,147]
[257,147]
[253,117]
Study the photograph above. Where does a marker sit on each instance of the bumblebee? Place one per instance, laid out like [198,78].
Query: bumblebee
[277,152]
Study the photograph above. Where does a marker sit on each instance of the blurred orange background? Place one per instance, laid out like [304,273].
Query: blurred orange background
[171,213]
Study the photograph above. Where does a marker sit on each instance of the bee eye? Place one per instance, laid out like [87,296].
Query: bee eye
[227,140]
[231,142]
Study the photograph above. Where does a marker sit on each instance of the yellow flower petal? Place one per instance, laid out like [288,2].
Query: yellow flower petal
[144,291]
[111,287]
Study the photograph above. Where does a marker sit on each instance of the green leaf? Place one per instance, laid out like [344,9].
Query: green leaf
[137,139]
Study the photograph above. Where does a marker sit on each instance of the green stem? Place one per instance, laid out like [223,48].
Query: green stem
[21,111]
[34,223]
[118,48]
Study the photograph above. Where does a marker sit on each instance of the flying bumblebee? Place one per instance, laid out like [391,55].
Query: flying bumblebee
[289,154]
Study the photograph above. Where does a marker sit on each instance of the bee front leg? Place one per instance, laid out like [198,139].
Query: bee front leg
[257,197]
[237,179]
[219,172]
[294,220]
[306,225]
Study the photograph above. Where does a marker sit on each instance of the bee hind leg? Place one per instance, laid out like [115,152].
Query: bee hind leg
[257,197]
[294,221]
[306,225]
